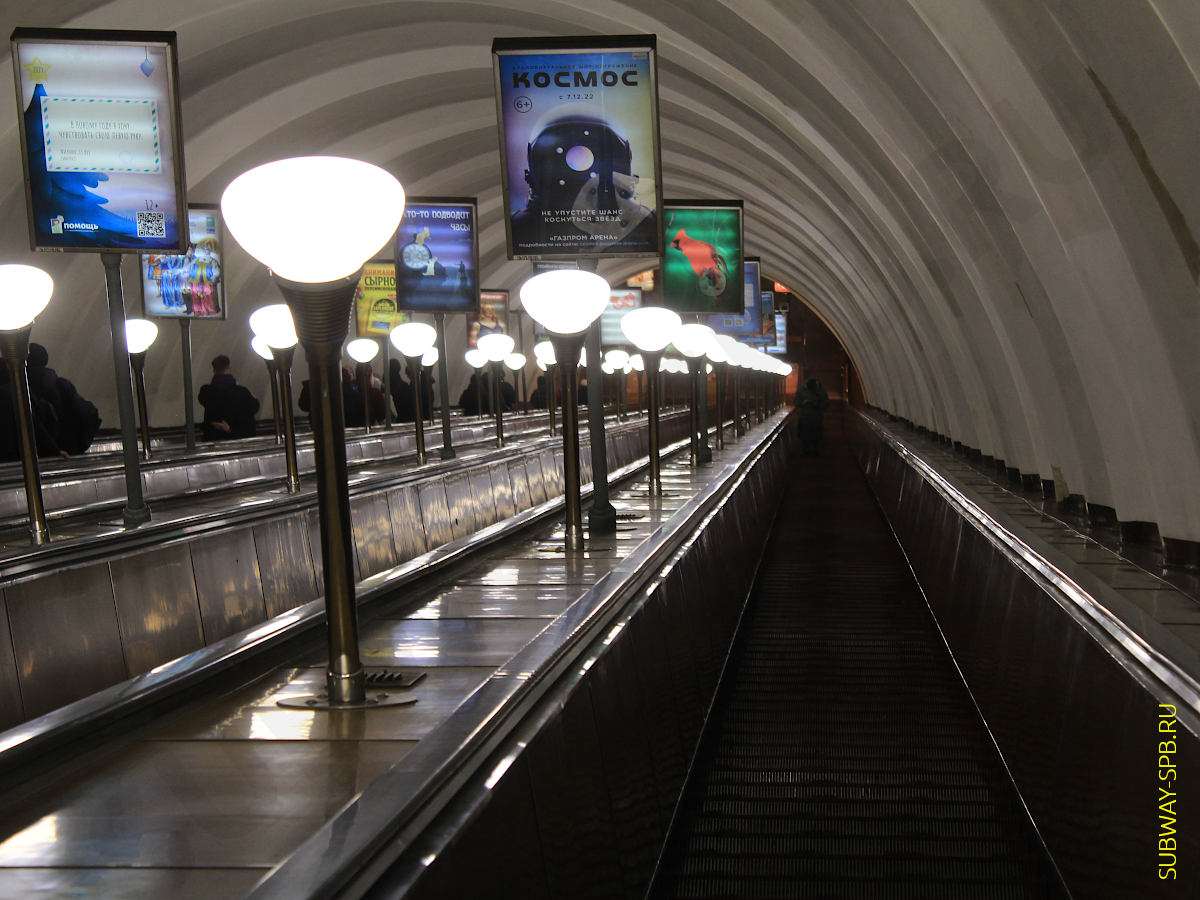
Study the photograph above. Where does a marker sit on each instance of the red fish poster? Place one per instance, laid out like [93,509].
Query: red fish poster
[702,260]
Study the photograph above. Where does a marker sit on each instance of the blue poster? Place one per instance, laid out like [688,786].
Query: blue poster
[100,135]
[188,285]
[746,327]
[579,146]
[437,258]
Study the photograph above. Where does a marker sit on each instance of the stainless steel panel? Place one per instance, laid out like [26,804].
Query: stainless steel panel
[446,642]
[537,479]
[305,459]
[285,564]
[272,464]
[10,688]
[313,526]
[552,472]
[585,464]
[126,883]
[157,608]
[234,803]
[502,493]
[111,487]
[681,659]
[353,450]
[69,494]
[65,636]
[434,513]
[468,601]
[372,531]
[518,478]
[12,502]
[408,529]
[483,496]
[166,480]
[238,467]
[206,472]
[227,583]
[460,505]
[251,713]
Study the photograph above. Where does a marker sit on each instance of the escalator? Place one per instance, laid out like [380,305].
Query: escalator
[843,756]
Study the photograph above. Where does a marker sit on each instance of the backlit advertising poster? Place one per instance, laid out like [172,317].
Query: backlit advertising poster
[620,301]
[100,139]
[187,285]
[766,320]
[492,318]
[437,256]
[702,267]
[579,146]
[780,345]
[746,325]
[375,309]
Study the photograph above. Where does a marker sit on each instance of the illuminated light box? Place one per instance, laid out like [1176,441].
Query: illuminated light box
[702,266]
[746,324]
[100,139]
[375,309]
[780,345]
[188,285]
[579,146]
[437,256]
[621,301]
[491,319]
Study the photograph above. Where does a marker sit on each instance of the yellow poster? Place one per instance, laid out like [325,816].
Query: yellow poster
[375,313]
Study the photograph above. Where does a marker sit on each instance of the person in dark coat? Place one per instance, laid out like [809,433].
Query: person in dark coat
[538,398]
[810,402]
[78,420]
[475,398]
[229,408]
[45,423]
[402,392]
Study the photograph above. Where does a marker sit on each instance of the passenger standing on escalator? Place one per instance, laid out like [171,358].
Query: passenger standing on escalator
[810,402]
[229,408]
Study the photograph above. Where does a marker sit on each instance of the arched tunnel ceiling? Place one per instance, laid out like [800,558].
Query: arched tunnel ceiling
[991,202]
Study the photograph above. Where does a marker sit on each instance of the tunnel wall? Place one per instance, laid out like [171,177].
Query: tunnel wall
[1075,716]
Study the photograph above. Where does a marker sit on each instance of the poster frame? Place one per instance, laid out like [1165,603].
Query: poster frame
[579,45]
[220,285]
[106,37]
[737,205]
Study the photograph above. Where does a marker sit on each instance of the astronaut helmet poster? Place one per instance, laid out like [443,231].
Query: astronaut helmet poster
[579,146]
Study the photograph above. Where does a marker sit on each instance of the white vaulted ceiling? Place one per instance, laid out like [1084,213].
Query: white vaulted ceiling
[993,203]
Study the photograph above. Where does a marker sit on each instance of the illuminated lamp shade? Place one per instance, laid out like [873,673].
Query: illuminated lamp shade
[274,324]
[496,346]
[583,356]
[651,328]
[692,340]
[639,364]
[261,347]
[565,301]
[362,350]
[413,338]
[607,368]
[715,352]
[515,361]
[616,358]
[313,219]
[475,358]
[541,363]
[139,334]
[24,293]
[543,353]
[430,357]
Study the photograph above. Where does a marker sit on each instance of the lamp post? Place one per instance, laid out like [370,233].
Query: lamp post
[515,362]
[650,329]
[139,335]
[413,340]
[543,355]
[24,293]
[619,359]
[362,351]
[477,359]
[692,340]
[314,222]
[263,349]
[274,326]
[733,351]
[565,302]
[496,347]
[720,362]
[429,359]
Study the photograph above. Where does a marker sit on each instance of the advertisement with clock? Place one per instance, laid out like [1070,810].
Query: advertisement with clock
[437,256]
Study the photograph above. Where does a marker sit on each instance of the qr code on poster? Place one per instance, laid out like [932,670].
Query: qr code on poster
[151,224]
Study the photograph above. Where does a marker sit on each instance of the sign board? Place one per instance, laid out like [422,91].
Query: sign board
[579,146]
[437,256]
[188,285]
[101,145]
[702,267]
